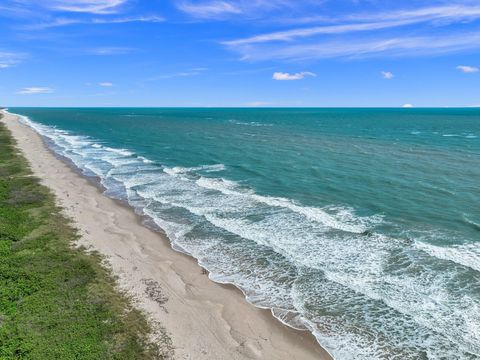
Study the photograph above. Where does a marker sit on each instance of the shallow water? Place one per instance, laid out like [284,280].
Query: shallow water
[362,225]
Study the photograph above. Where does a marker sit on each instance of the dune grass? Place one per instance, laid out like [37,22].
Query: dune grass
[57,302]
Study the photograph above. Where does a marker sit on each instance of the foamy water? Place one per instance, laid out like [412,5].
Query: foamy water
[368,280]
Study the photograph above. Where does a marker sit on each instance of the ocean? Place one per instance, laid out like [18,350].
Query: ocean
[359,225]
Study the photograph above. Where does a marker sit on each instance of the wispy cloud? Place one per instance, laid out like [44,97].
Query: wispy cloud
[150,18]
[46,11]
[360,48]
[283,76]
[240,9]
[105,84]
[451,12]
[35,90]
[85,6]
[25,8]
[368,23]
[291,35]
[387,75]
[187,73]
[9,59]
[467,69]
[58,22]
[360,35]
[107,51]
[208,9]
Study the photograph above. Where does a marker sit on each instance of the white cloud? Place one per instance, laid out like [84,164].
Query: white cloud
[208,9]
[105,84]
[187,73]
[445,13]
[387,75]
[110,51]
[9,59]
[407,106]
[296,12]
[35,90]
[152,19]
[69,21]
[360,48]
[361,35]
[467,69]
[85,6]
[287,76]
[290,35]
[240,9]
[362,22]
[38,9]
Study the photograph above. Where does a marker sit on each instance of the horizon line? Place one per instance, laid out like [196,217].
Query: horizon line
[242,107]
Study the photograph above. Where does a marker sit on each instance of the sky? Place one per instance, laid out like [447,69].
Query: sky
[245,53]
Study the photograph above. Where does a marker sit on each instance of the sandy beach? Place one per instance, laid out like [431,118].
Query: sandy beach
[205,320]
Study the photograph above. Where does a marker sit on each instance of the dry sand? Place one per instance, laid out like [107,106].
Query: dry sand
[205,320]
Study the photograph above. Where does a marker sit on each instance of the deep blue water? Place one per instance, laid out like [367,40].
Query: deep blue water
[362,225]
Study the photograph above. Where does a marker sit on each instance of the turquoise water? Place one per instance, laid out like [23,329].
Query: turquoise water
[360,225]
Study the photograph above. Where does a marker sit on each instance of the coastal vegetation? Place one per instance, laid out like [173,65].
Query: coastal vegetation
[56,301]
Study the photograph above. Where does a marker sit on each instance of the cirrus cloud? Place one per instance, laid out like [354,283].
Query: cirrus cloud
[368,34]
[59,22]
[240,9]
[9,59]
[108,51]
[209,9]
[35,90]
[85,6]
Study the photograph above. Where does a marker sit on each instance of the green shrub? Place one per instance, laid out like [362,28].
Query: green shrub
[57,302]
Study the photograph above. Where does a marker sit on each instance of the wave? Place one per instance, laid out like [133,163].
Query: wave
[363,295]
[250,123]
[473,224]
[467,255]
[467,136]
[178,170]
[346,221]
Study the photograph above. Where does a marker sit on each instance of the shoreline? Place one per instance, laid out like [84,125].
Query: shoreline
[205,319]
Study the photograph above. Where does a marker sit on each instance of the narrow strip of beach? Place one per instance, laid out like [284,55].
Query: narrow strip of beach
[205,320]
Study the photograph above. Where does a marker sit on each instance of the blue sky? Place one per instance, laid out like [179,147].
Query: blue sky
[239,53]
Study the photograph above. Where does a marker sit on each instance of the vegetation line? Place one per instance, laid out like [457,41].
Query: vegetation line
[57,302]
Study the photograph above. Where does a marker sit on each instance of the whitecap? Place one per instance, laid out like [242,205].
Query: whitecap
[179,170]
[467,255]
[250,123]
[350,222]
